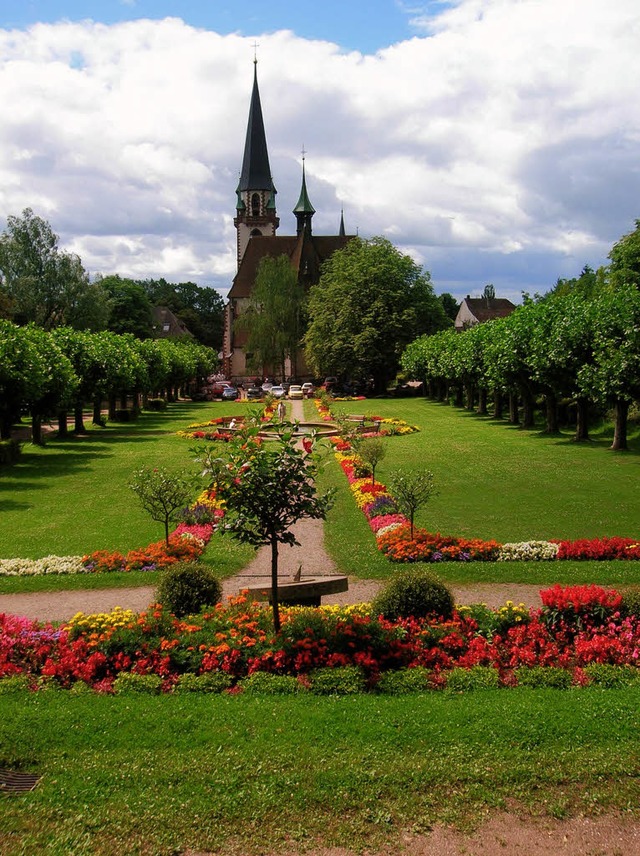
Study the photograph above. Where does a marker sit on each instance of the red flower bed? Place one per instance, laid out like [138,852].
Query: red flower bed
[599,548]
[238,639]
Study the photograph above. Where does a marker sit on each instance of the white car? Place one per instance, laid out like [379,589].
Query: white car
[277,392]
[307,389]
[295,391]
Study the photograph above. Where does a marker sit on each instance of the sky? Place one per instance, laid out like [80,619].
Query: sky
[495,141]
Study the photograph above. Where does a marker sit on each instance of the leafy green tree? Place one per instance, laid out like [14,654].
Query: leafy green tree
[370,302]
[274,317]
[449,304]
[371,451]
[613,375]
[162,493]
[23,372]
[58,381]
[40,284]
[267,487]
[625,258]
[411,491]
[201,308]
[130,307]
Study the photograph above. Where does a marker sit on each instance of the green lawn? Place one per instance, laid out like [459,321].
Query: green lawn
[72,497]
[244,775]
[494,481]
[500,482]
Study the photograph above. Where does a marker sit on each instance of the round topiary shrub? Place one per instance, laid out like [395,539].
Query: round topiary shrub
[414,593]
[187,587]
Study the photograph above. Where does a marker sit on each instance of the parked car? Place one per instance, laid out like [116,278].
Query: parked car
[254,392]
[295,391]
[277,391]
[218,388]
[266,386]
[230,393]
[307,389]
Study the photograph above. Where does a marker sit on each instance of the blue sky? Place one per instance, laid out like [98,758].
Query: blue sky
[353,24]
[493,140]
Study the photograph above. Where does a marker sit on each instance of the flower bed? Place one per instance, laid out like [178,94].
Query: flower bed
[393,536]
[577,628]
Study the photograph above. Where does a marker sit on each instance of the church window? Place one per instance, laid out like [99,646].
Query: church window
[255,232]
[255,205]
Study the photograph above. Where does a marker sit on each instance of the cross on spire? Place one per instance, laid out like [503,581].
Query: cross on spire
[255,47]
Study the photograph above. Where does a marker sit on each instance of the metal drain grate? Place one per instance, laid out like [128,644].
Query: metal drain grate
[13,782]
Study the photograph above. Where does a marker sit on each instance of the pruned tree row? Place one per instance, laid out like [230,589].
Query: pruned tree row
[53,373]
[576,347]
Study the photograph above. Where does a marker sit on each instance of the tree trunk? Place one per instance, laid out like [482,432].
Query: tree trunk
[482,401]
[497,404]
[78,420]
[113,402]
[6,424]
[443,391]
[551,413]
[63,431]
[274,585]
[36,429]
[469,395]
[459,399]
[97,413]
[124,401]
[528,414]
[620,429]
[582,420]
[513,409]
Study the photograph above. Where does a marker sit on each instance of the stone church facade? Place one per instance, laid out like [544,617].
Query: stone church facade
[256,224]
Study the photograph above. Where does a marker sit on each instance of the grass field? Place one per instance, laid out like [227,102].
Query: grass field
[243,775]
[494,481]
[246,775]
[72,497]
[500,482]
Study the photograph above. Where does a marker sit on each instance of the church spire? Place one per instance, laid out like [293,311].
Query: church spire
[256,194]
[304,210]
[342,232]
[256,172]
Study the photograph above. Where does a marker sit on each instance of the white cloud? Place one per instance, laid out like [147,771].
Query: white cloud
[502,146]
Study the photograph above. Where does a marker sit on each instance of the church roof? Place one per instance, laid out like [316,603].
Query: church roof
[307,253]
[486,310]
[256,172]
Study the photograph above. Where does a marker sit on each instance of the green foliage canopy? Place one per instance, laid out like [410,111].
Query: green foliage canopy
[370,302]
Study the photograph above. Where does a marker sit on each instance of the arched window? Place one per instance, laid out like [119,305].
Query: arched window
[255,232]
[255,205]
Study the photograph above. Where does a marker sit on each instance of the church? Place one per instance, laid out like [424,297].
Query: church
[256,223]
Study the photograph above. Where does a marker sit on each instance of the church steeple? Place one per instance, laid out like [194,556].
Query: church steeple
[256,193]
[342,232]
[304,210]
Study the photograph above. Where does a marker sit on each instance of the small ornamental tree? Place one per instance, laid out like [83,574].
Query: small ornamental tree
[411,491]
[371,451]
[267,487]
[162,493]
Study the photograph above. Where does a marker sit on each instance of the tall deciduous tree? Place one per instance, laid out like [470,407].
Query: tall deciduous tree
[130,307]
[274,318]
[625,258]
[370,302]
[40,284]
